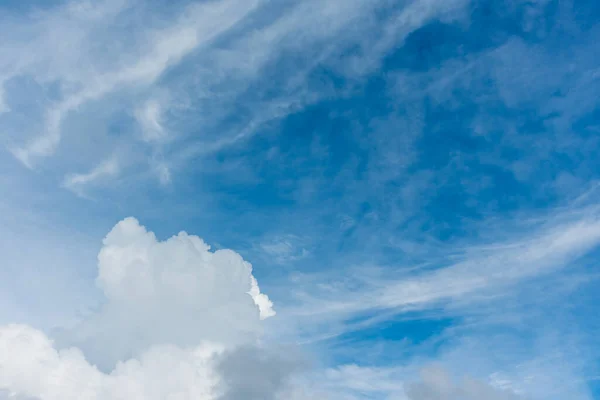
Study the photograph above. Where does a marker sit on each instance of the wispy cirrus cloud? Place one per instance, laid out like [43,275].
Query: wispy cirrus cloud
[199,25]
[549,245]
[78,182]
[149,117]
[285,248]
[230,64]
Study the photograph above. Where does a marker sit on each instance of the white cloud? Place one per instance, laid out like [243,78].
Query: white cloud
[265,306]
[149,117]
[283,249]
[31,366]
[171,308]
[163,172]
[77,182]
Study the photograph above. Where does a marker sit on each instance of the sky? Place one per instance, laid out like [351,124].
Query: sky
[299,199]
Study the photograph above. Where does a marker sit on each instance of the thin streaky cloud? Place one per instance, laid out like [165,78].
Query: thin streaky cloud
[493,267]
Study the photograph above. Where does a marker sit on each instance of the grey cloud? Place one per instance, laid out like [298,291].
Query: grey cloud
[254,373]
[437,384]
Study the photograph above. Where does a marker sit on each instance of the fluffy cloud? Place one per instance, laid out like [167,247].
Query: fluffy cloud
[31,366]
[176,320]
[176,291]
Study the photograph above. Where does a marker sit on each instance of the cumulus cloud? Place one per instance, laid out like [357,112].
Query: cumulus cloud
[31,366]
[172,308]
[175,291]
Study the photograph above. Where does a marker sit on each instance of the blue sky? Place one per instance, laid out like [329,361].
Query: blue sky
[413,184]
